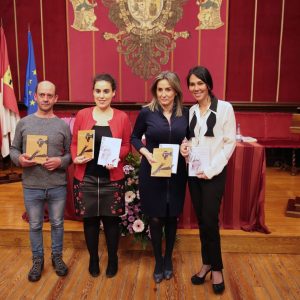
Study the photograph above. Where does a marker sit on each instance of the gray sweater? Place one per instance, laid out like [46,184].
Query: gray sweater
[59,139]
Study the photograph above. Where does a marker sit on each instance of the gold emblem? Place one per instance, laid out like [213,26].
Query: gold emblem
[146,32]
[84,15]
[209,14]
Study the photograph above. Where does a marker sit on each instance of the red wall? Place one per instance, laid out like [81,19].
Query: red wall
[254,57]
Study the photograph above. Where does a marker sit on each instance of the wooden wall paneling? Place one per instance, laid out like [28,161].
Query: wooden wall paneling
[290,58]
[55,46]
[267,50]
[239,52]
[106,55]
[28,14]
[81,62]
[213,43]
[226,49]
[7,17]
[186,51]
[130,88]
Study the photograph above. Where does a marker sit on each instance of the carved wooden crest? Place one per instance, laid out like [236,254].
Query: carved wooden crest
[209,15]
[146,32]
[84,15]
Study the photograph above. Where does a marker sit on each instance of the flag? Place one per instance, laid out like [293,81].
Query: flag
[9,113]
[31,79]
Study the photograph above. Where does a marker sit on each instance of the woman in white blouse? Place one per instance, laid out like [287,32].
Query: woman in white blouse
[212,134]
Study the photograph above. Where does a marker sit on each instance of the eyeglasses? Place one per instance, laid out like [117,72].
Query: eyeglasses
[49,96]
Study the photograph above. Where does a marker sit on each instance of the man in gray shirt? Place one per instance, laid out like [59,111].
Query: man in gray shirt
[44,182]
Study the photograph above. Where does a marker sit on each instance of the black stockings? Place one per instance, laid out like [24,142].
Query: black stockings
[111,231]
[156,231]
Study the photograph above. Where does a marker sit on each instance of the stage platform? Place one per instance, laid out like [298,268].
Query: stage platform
[284,236]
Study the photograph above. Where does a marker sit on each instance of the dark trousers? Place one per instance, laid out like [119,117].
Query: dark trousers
[206,195]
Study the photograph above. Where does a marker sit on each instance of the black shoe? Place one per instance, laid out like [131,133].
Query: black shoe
[112,267]
[59,266]
[168,269]
[219,288]
[199,280]
[35,272]
[158,277]
[158,274]
[94,267]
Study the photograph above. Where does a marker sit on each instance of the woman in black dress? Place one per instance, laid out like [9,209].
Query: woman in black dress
[99,190]
[165,121]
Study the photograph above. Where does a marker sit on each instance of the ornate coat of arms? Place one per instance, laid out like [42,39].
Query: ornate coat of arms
[209,14]
[84,15]
[146,32]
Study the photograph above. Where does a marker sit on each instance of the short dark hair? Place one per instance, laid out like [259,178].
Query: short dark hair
[203,74]
[105,77]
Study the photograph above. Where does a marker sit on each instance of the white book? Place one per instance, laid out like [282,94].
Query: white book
[175,154]
[109,151]
[199,159]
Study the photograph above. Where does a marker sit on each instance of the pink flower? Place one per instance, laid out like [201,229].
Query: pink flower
[138,225]
[127,169]
[129,196]
[131,219]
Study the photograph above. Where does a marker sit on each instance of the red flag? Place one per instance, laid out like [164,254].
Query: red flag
[9,113]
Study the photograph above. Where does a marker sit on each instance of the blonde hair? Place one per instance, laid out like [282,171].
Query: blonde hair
[174,82]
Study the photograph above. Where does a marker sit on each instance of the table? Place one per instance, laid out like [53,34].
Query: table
[243,202]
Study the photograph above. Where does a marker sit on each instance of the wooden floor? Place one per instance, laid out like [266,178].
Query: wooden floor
[247,277]
[256,266]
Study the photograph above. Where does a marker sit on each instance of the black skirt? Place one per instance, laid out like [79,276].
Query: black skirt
[95,196]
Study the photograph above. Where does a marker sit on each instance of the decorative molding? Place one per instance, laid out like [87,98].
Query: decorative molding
[84,15]
[209,15]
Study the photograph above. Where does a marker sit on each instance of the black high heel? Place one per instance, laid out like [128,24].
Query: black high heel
[168,269]
[219,288]
[199,280]
[158,274]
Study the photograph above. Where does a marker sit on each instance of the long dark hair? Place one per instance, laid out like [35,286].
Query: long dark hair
[203,74]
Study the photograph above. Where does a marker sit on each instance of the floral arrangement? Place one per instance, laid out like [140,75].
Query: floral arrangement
[133,221]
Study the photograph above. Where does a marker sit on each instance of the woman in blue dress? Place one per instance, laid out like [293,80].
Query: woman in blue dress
[163,121]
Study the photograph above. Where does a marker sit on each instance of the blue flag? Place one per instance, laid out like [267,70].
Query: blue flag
[31,79]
